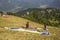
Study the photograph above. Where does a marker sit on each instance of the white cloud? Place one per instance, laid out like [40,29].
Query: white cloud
[9,1]
[15,9]
[43,6]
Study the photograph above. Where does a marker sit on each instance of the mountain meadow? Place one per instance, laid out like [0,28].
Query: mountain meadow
[36,17]
[50,16]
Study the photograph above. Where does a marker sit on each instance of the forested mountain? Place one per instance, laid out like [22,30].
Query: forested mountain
[50,16]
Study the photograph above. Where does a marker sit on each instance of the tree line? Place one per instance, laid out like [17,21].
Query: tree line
[50,16]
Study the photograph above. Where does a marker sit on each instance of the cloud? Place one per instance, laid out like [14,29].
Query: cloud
[15,8]
[43,6]
[9,1]
[0,4]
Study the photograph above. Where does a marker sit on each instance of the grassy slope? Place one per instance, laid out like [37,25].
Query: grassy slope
[13,21]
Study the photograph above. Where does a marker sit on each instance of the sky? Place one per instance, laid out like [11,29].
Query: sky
[8,5]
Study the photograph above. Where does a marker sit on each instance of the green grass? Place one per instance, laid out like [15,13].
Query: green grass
[13,21]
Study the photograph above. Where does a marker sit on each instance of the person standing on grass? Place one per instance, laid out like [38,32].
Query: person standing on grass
[27,25]
[44,26]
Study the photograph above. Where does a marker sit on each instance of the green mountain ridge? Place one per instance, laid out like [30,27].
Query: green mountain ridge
[50,16]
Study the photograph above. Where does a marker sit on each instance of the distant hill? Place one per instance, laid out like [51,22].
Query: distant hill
[50,16]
